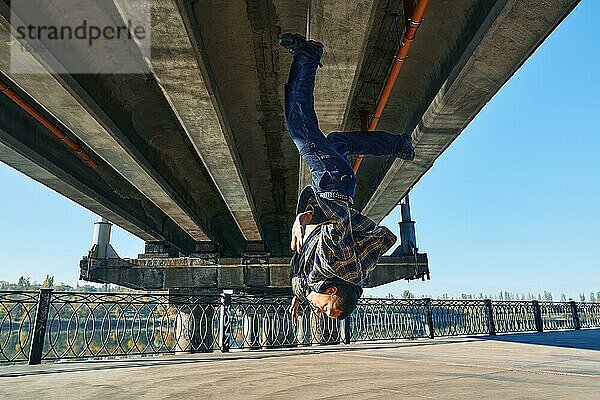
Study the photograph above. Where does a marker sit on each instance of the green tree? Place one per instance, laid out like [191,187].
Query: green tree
[48,282]
[23,283]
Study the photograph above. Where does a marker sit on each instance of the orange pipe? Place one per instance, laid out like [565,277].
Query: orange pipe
[70,143]
[407,39]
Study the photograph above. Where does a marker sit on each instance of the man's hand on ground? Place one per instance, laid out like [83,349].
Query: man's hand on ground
[298,229]
[294,309]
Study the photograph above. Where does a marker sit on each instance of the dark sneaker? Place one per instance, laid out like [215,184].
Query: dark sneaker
[292,41]
[296,43]
[408,151]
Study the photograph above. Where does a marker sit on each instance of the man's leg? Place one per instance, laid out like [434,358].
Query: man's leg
[377,143]
[301,119]
[330,172]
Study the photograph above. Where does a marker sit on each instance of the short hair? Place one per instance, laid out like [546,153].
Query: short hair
[346,299]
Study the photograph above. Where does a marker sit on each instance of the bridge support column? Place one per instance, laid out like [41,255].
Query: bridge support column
[194,325]
[303,329]
[287,334]
[101,248]
[324,330]
[251,329]
[268,335]
[408,237]
[194,330]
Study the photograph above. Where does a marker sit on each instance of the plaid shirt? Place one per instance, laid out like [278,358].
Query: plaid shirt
[346,244]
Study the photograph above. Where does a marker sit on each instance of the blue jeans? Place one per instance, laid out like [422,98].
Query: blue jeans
[327,157]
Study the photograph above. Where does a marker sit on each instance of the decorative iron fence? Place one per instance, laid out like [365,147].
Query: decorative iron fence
[47,325]
[17,316]
[389,319]
[588,315]
[94,325]
[459,317]
[515,316]
[557,315]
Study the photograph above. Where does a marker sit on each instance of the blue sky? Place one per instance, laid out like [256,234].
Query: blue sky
[513,204]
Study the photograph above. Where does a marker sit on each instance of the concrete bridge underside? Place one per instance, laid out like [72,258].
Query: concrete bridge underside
[194,157]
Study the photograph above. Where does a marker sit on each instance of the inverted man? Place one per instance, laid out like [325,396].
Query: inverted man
[335,247]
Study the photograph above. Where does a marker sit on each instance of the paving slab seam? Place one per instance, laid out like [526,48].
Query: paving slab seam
[56,368]
[517,369]
[478,366]
[136,362]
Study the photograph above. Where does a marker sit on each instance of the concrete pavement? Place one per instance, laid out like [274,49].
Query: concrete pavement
[558,365]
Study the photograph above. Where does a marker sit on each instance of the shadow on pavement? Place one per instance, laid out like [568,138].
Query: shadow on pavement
[588,339]
[137,362]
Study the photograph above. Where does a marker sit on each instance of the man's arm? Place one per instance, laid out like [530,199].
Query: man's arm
[294,309]
[299,230]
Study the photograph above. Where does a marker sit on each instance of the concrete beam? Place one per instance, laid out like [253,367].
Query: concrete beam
[506,38]
[46,89]
[132,109]
[182,71]
[248,72]
[343,27]
[262,274]
[438,46]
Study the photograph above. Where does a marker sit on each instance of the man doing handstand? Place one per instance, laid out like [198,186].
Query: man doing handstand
[335,247]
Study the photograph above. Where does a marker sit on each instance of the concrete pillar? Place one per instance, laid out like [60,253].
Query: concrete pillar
[324,330]
[251,329]
[101,248]
[408,238]
[195,321]
[194,328]
[286,331]
[267,334]
[303,333]
[276,329]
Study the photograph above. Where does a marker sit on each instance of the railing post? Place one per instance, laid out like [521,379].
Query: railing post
[39,329]
[346,328]
[537,313]
[225,323]
[429,316]
[490,314]
[575,313]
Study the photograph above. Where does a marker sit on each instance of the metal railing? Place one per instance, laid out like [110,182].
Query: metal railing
[47,325]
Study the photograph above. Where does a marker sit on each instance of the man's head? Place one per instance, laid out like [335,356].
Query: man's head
[336,301]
